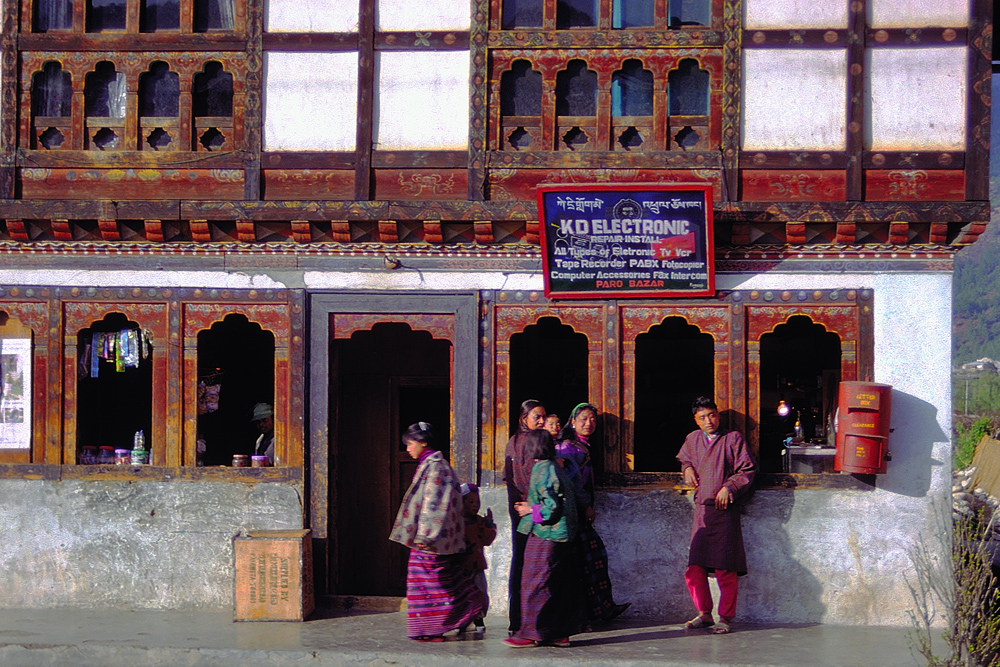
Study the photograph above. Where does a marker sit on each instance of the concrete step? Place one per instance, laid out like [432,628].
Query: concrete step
[335,637]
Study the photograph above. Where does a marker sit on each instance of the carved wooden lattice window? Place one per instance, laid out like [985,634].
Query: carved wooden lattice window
[105,104]
[606,101]
[167,116]
[51,102]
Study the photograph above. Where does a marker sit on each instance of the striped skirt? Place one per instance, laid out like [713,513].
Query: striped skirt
[550,591]
[440,595]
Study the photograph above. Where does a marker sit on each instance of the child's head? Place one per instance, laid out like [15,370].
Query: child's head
[706,414]
[552,424]
[470,500]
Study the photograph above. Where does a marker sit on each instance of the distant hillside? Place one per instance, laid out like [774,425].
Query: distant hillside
[976,323]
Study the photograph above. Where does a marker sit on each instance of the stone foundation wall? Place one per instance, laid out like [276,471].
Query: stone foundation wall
[130,545]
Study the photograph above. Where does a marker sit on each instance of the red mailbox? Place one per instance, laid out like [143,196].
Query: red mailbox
[863,428]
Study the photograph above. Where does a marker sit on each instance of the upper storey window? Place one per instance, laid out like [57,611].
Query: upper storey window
[133,16]
[624,14]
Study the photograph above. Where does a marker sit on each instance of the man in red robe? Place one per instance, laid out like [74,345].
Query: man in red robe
[719,467]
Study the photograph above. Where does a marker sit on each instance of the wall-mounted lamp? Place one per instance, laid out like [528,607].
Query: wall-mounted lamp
[784,409]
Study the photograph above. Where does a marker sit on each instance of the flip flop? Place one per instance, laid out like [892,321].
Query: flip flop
[698,622]
[722,628]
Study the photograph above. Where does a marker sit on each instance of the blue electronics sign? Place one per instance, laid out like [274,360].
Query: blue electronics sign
[636,240]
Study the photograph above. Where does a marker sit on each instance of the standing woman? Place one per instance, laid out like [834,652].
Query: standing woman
[550,594]
[574,450]
[517,474]
[440,594]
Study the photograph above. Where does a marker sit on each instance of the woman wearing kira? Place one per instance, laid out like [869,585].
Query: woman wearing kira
[516,474]
[574,451]
[550,592]
[441,594]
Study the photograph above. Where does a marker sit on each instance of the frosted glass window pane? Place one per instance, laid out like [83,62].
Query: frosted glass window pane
[423,15]
[310,101]
[311,16]
[794,99]
[916,99]
[768,14]
[918,13]
[423,100]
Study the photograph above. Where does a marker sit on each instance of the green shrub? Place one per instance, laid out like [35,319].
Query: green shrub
[967,439]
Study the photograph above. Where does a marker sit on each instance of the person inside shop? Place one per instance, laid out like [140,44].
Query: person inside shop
[718,465]
[263,419]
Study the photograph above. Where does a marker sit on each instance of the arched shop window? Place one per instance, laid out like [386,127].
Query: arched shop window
[548,362]
[800,365]
[235,372]
[674,364]
[115,388]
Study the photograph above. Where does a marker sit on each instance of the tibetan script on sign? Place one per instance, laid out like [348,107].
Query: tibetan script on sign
[616,241]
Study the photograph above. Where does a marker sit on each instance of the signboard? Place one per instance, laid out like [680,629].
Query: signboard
[635,240]
[15,393]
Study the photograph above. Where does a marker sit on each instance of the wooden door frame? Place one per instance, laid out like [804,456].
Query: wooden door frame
[463,309]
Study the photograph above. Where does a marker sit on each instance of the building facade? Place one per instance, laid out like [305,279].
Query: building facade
[330,207]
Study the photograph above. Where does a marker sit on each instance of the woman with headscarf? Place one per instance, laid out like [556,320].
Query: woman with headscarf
[441,595]
[517,474]
[574,450]
[550,606]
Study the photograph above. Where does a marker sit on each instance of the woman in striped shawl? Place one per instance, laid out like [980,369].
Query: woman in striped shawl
[441,595]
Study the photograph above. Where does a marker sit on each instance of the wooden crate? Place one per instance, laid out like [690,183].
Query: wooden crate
[274,576]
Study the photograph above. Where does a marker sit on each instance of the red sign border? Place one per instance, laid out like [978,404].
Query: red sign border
[706,191]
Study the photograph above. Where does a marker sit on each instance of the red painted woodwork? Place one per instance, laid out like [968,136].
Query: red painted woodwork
[87,183]
[915,185]
[787,185]
[437,325]
[309,184]
[434,184]
[520,184]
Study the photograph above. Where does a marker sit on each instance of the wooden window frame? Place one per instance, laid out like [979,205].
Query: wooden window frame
[55,316]
[735,320]
[849,171]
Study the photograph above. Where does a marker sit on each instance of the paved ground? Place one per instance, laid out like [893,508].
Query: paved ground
[103,638]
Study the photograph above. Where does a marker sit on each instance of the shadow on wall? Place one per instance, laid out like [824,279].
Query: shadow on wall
[911,443]
[777,587]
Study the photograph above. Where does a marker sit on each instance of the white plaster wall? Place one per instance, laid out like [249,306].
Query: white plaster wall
[424,15]
[310,101]
[423,100]
[837,557]
[310,16]
[916,98]
[918,13]
[794,99]
[788,14]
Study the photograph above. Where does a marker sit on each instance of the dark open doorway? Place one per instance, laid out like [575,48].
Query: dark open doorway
[381,380]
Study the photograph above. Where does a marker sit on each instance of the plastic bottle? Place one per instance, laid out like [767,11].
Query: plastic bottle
[140,455]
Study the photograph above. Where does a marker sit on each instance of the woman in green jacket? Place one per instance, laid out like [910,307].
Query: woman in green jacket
[550,602]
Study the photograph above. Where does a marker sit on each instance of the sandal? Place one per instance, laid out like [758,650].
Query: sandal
[699,622]
[722,628]
[561,643]
[428,638]
[518,642]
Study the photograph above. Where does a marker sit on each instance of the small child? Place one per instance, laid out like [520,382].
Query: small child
[480,531]
[552,425]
